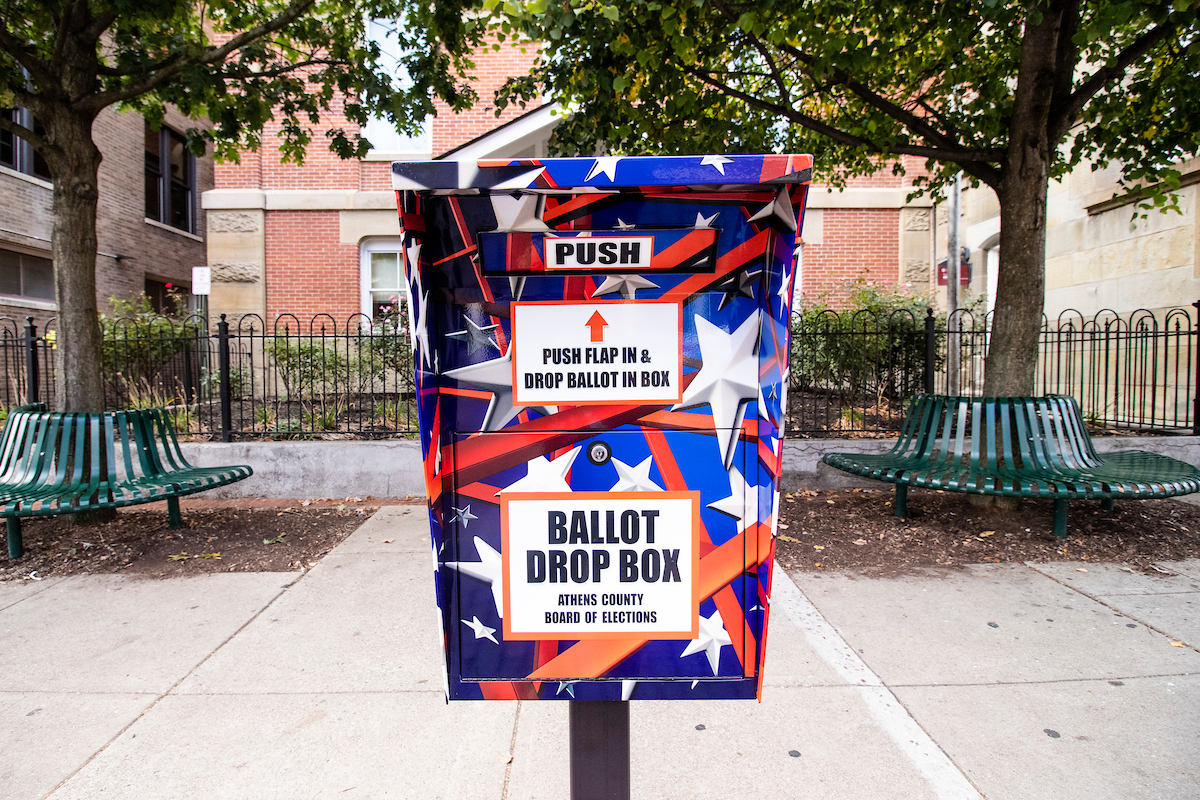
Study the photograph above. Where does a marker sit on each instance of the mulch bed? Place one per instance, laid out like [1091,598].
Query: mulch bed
[857,531]
[138,542]
[850,531]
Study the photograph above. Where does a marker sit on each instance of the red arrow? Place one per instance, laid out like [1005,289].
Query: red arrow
[597,324]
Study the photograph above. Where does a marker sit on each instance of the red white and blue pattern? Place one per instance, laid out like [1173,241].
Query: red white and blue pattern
[722,439]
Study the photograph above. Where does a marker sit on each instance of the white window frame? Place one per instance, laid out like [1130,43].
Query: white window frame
[392,244]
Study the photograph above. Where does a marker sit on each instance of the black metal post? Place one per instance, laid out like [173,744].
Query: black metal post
[599,750]
[32,370]
[930,351]
[1196,378]
[223,365]
[189,381]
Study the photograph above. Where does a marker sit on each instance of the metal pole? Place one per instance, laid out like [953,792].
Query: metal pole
[32,377]
[930,351]
[223,365]
[953,272]
[1196,378]
[599,750]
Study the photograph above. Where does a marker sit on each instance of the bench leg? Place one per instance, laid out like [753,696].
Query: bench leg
[901,500]
[15,549]
[173,518]
[1060,519]
[1106,503]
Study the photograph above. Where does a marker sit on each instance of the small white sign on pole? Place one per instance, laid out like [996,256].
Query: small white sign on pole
[202,280]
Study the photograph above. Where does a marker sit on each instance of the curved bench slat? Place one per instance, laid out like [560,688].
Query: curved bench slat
[1036,447]
[56,463]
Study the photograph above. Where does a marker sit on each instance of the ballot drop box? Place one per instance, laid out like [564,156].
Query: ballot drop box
[601,354]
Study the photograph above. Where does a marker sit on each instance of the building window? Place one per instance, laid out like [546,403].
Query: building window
[382,133]
[27,276]
[383,277]
[18,154]
[170,179]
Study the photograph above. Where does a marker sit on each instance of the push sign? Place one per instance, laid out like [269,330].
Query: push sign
[601,358]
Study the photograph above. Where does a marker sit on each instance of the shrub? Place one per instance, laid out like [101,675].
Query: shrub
[139,343]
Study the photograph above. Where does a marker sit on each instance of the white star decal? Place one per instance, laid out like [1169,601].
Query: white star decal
[627,688]
[568,685]
[625,285]
[783,291]
[727,379]
[634,479]
[544,475]
[481,631]
[606,165]
[421,329]
[718,162]
[705,223]
[624,226]
[487,569]
[520,213]
[712,638]
[735,504]
[476,336]
[779,214]
[462,515]
[495,376]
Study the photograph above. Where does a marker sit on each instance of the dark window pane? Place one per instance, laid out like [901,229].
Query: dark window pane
[179,206]
[154,198]
[39,277]
[8,143]
[10,273]
[39,168]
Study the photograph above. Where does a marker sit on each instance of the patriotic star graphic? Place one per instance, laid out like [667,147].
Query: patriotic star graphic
[634,479]
[717,162]
[476,336]
[739,284]
[779,214]
[495,376]
[627,688]
[710,641]
[605,165]
[622,225]
[783,293]
[544,475]
[487,569]
[625,285]
[481,631]
[705,223]
[462,515]
[569,686]
[520,213]
[742,503]
[727,380]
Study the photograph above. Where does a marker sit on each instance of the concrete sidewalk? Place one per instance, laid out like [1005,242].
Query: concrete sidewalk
[1004,681]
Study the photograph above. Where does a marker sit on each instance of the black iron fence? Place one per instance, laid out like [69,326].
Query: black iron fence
[851,373]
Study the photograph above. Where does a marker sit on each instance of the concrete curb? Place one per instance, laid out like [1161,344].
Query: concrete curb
[393,468]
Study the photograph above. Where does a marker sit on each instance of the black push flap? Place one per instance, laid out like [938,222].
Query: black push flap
[686,250]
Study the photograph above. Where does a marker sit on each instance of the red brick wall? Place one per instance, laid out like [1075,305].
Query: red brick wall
[858,245]
[307,270]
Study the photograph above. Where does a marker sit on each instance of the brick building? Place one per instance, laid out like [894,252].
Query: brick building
[149,223]
[322,238]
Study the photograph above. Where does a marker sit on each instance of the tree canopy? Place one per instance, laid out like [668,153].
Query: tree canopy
[1013,94]
[238,64]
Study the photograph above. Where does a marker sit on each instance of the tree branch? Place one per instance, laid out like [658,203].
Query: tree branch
[38,69]
[1064,116]
[210,55]
[974,162]
[8,126]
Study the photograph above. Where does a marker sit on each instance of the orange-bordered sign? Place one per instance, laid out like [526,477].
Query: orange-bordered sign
[597,352]
[600,565]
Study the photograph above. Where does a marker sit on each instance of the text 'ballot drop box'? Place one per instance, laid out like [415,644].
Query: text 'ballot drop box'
[601,350]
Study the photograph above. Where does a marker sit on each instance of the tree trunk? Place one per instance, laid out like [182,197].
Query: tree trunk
[1025,180]
[78,384]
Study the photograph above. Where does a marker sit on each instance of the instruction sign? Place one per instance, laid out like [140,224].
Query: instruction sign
[601,565]
[589,352]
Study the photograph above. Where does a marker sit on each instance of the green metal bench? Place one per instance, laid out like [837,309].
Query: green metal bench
[1014,447]
[64,463]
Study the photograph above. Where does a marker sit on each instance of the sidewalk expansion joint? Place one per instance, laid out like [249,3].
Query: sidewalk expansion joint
[1100,601]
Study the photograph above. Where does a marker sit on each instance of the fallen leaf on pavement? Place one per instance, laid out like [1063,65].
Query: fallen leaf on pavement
[818,547]
[860,541]
[787,538]
[1176,644]
[388,541]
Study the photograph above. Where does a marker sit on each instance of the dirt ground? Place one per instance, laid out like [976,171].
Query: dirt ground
[138,542]
[857,531]
[853,531]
